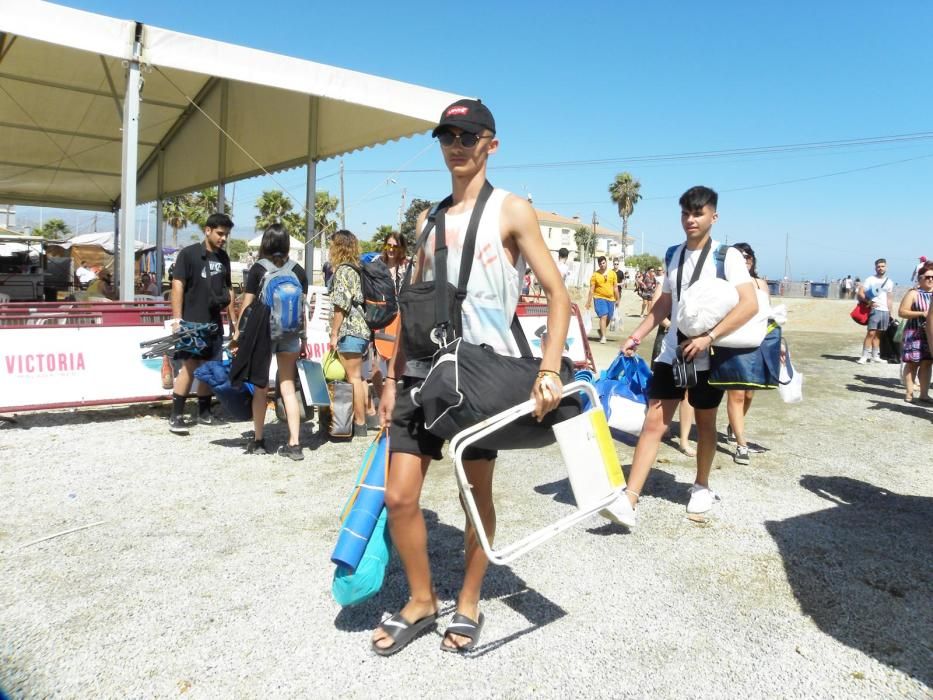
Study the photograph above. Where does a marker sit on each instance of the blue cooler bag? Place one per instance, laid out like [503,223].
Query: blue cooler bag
[748,368]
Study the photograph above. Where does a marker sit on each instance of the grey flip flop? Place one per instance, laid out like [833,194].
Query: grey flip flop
[402,633]
[463,626]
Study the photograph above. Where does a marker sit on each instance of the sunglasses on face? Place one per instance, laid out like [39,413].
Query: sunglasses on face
[926,277]
[391,246]
[466,139]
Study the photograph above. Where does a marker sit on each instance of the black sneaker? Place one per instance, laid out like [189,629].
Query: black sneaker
[177,425]
[256,447]
[373,422]
[210,419]
[292,452]
[359,430]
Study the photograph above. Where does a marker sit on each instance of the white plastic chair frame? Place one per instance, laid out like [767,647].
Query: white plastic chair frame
[465,438]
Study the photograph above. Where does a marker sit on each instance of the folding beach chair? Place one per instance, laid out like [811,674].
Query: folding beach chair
[588,453]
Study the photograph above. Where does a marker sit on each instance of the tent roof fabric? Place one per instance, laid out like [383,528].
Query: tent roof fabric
[62,81]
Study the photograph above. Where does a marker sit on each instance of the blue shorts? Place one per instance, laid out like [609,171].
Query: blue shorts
[351,345]
[288,343]
[604,307]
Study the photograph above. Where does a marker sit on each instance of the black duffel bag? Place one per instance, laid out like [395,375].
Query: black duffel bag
[468,383]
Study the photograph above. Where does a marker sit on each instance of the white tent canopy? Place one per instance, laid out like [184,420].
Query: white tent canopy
[103,240]
[295,247]
[86,100]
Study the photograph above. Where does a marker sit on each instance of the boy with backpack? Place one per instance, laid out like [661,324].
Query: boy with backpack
[507,238]
[697,257]
[274,299]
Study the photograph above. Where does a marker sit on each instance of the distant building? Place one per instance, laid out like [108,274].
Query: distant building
[559,230]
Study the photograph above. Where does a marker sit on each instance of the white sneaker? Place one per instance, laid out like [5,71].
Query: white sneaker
[862,360]
[620,511]
[701,499]
[603,340]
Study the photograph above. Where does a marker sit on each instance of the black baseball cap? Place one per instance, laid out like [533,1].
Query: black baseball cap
[470,115]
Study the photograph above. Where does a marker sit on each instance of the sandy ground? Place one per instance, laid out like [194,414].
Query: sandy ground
[205,571]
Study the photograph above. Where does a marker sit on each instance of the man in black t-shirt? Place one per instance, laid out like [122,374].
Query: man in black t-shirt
[201,290]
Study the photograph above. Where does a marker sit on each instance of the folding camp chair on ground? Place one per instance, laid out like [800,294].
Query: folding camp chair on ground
[588,453]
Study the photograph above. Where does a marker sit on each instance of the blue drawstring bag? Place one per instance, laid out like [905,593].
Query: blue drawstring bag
[237,402]
[623,393]
[363,548]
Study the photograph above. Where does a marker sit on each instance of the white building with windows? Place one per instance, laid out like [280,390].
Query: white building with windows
[559,231]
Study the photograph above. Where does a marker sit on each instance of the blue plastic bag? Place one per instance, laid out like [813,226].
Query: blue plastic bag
[627,377]
[623,393]
[237,402]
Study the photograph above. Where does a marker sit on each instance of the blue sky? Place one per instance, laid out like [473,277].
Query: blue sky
[572,82]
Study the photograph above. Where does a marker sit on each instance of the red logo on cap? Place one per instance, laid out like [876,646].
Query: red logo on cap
[457,111]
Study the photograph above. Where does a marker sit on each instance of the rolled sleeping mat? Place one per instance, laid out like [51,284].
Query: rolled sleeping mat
[367,505]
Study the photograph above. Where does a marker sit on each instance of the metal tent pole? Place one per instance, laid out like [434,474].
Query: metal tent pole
[310,189]
[160,225]
[127,246]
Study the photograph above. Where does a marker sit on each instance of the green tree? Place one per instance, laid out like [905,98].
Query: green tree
[236,248]
[411,219]
[644,261]
[54,229]
[624,192]
[325,207]
[382,233]
[273,205]
[204,203]
[295,224]
[175,212]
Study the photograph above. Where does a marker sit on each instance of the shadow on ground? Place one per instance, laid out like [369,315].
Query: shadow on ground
[445,548]
[917,410]
[861,570]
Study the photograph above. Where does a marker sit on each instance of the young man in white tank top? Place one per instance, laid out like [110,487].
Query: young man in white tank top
[508,238]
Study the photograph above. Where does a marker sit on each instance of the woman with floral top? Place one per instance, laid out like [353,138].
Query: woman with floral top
[349,334]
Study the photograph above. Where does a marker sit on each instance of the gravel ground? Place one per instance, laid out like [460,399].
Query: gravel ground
[209,574]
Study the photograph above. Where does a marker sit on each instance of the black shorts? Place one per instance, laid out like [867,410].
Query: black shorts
[407,432]
[213,351]
[702,396]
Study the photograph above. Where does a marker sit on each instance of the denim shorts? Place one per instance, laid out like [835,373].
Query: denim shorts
[878,320]
[351,345]
[288,343]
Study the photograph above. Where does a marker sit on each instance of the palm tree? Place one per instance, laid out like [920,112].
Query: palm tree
[204,203]
[624,192]
[273,205]
[175,213]
[54,229]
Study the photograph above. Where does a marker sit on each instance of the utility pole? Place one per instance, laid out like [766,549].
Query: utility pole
[343,214]
[787,257]
[401,211]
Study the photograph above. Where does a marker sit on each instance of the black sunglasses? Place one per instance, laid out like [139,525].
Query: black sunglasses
[926,277]
[466,139]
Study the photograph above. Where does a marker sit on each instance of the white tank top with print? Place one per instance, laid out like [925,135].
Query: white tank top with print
[495,283]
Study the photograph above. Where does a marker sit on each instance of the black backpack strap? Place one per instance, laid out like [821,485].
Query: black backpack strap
[441,313]
[523,347]
[429,226]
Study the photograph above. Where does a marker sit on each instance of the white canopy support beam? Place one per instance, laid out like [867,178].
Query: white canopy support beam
[310,188]
[160,224]
[127,230]
[222,146]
